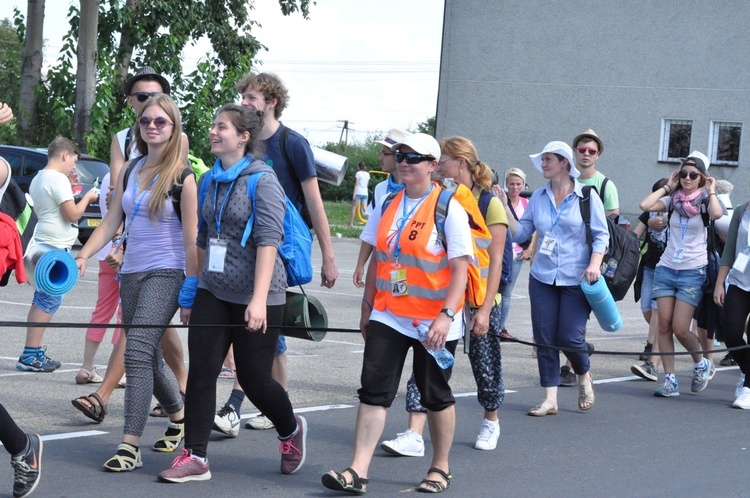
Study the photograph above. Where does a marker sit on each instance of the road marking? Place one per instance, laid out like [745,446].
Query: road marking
[71,435]
[344,342]
[52,324]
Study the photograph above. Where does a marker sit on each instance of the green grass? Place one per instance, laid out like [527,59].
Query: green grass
[338,218]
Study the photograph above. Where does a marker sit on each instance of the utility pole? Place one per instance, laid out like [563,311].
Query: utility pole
[342,137]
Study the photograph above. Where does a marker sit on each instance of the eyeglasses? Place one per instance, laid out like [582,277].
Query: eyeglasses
[142,96]
[412,157]
[693,175]
[384,153]
[440,163]
[159,122]
[592,152]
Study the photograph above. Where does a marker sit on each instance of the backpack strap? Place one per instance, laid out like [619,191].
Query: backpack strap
[585,204]
[128,141]
[484,203]
[128,172]
[252,184]
[175,193]
[604,187]
[441,213]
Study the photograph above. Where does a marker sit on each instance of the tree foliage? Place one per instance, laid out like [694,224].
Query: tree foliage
[11,48]
[134,33]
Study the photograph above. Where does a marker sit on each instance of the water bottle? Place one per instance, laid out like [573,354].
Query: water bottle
[96,186]
[442,356]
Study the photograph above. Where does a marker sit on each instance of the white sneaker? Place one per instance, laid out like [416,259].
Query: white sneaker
[487,438]
[740,385]
[407,443]
[259,423]
[227,421]
[743,400]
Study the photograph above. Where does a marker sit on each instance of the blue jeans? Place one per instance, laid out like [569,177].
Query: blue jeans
[647,289]
[507,292]
[45,302]
[558,318]
[685,285]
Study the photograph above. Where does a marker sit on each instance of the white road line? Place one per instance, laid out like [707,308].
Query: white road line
[343,342]
[66,307]
[70,435]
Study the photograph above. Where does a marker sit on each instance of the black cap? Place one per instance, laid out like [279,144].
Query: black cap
[146,73]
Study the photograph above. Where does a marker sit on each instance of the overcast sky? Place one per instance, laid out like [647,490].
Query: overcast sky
[372,62]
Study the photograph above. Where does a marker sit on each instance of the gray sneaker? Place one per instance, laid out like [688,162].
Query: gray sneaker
[646,371]
[711,369]
[568,377]
[700,377]
[27,467]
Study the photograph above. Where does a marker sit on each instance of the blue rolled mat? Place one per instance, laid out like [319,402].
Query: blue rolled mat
[603,305]
[56,272]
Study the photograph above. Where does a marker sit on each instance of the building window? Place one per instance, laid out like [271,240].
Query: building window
[675,139]
[724,143]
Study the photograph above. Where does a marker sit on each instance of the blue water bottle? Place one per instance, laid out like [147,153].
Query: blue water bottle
[442,356]
[603,305]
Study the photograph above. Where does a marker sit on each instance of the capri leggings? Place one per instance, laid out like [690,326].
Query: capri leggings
[148,298]
[12,437]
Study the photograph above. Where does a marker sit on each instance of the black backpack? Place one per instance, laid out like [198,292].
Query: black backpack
[620,263]
[15,205]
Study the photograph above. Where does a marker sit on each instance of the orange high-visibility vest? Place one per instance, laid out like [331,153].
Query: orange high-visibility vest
[427,274]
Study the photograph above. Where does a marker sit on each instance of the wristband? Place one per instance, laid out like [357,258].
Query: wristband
[368,304]
[667,189]
[187,293]
[81,257]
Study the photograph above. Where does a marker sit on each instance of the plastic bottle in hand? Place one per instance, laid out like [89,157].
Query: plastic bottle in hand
[442,356]
[96,186]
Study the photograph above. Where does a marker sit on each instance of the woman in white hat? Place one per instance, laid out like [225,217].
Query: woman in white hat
[680,275]
[559,309]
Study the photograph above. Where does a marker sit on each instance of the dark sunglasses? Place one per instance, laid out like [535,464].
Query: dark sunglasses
[159,122]
[592,152]
[693,175]
[142,96]
[412,157]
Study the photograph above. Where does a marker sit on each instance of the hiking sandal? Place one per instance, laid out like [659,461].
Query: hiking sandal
[169,443]
[433,486]
[337,482]
[124,463]
[97,409]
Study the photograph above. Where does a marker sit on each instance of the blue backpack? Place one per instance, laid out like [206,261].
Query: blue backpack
[295,251]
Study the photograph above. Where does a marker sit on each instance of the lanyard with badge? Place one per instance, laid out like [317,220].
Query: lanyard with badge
[680,251]
[217,247]
[399,286]
[740,262]
[549,243]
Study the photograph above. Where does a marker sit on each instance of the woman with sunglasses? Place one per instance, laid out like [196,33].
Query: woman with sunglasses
[160,252]
[559,309]
[240,284]
[412,275]
[732,291]
[680,275]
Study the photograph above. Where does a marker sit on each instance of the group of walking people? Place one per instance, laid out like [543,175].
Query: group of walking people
[176,244]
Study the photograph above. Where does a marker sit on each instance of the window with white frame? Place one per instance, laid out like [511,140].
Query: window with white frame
[675,139]
[724,143]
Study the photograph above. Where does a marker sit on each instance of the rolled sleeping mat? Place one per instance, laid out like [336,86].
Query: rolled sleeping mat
[329,166]
[304,311]
[56,273]
[603,305]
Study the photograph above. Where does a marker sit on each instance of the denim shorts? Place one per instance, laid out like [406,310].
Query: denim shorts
[362,198]
[280,345]
[45,302]
[685,285]
[648,303]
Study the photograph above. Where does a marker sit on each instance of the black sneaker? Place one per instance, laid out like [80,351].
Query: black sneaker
[727,361]
[568,378]
[646,355]
[27,467]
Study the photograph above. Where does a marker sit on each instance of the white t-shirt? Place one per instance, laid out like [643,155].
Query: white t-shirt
[458,236]
[49,189]
[379,193]
[363,179]
[4,186]
[686,247]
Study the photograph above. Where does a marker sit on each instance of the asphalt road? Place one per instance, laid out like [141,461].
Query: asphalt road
[629,444]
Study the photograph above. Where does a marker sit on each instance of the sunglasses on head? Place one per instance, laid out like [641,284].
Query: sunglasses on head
[159,122]
[142,96]
[693,175]
[582,150]
[412,157]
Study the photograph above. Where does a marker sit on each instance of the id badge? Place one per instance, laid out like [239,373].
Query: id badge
[217,253]
[677,258]
[548,245]
[740,262]
[398,281]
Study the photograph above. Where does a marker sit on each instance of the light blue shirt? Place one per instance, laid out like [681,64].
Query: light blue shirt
[571,255]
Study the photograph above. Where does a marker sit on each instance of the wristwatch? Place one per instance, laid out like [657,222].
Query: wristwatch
[451,314]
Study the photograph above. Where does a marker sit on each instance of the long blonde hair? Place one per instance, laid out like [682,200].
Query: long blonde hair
[169,165]
[456,147]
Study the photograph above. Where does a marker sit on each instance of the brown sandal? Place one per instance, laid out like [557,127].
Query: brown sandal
[95,410]
[586,394]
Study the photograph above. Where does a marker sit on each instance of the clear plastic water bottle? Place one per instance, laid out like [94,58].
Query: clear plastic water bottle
[442,356]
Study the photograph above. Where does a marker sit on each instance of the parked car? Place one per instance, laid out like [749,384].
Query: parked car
[25,162]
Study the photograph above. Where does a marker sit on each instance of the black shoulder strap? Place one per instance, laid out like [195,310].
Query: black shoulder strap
[585,205]
[604,187]
[175,193]
[484,203]
[129,170]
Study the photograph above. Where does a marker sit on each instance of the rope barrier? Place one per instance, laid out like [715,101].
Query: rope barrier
[75,325]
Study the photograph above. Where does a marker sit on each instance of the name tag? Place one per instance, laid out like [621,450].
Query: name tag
[398,281]
[217,254]
[549,242]
[740,262]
